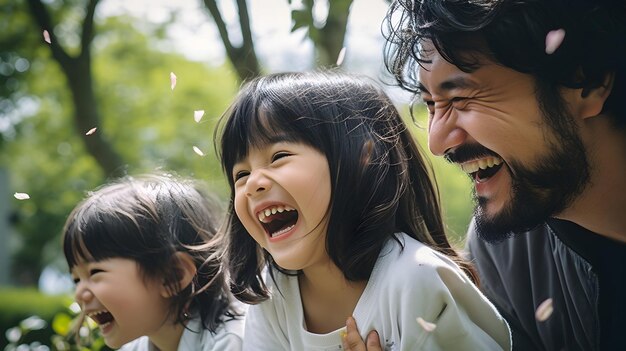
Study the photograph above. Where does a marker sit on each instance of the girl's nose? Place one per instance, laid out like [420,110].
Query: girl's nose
[257,183]
[444,135]
[83,295]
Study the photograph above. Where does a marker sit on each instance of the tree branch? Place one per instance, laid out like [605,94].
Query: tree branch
[88,28]
[244,24]
[42,18]
[221,26]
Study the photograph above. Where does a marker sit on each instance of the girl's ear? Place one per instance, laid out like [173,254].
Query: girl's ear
[185,271]
[590,102]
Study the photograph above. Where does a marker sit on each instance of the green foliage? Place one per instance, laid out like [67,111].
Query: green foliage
[148,123]
[19,304]
[50,322]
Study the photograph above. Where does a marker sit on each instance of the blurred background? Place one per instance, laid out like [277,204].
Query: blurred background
[86,95]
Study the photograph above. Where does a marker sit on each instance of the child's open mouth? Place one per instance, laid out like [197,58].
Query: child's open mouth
[278,220]
[102,317]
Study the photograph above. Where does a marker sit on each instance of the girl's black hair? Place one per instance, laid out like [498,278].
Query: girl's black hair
[513,33]
[380,182]
[149,219]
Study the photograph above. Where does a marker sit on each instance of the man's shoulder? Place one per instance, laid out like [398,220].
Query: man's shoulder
[536,238]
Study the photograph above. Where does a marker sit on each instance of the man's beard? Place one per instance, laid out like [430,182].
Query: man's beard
[543,190]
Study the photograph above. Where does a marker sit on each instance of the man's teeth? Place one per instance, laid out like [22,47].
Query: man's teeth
[272,210]
[483,163]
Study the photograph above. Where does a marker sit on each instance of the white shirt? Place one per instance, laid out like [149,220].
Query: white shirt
[228,337]
[404,285]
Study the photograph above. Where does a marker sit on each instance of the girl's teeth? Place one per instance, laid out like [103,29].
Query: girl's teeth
[272,210]
[282,231]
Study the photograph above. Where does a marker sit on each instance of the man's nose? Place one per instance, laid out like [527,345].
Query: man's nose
[444,134]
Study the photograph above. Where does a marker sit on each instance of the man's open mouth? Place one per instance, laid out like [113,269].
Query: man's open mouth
[278,220]
[482,169]
[102,317]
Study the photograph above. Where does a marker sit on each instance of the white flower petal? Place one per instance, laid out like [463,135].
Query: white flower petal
[198,151]
[75,307]
[13,334]
[83,332]
[341,56]
[21,196]
[544,311]
[554,38]
[197,115]
[46,37]
[91,131]
[33,323]
[172,80]
[427,326]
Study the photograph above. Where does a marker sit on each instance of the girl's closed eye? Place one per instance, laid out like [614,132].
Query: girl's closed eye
[281,154]
[95,271]
[240,174]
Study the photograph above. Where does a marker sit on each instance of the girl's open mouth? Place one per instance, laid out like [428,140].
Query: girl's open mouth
[278,220]
[103,318]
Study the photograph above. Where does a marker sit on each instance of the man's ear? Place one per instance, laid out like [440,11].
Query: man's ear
[185,271]
[589,102]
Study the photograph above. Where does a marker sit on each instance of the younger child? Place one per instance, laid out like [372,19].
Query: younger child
[142,252]
[330,190]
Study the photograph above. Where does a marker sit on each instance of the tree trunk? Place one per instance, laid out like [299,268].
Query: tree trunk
[79,77]
[243,58]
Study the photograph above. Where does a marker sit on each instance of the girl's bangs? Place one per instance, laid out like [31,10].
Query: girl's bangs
[256,123]
[98,232]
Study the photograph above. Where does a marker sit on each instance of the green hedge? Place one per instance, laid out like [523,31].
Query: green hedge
[17,304]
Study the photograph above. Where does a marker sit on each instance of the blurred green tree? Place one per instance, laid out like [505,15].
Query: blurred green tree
[150,125]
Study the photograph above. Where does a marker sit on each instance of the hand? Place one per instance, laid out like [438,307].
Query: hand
[352,341]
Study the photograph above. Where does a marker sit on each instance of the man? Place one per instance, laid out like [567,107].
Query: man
[528,97]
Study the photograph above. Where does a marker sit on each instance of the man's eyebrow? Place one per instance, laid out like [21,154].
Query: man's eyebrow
[451,84]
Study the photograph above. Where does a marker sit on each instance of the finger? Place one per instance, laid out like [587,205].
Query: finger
[351,339]
[373,341]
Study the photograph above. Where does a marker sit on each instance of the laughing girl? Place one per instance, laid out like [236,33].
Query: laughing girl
[330,192]
[143,255]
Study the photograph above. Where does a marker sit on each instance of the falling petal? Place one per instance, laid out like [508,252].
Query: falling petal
[197,115]
[341,56]
[198,151]
[91,131]
[427,326]
[172,80]
[21,196]
[46,37]
[544,311]
[554,38]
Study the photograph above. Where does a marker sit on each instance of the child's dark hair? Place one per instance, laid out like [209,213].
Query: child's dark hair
[380,182]
[149,219]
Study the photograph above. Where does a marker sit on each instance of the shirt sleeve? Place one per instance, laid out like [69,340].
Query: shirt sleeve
[466,320]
